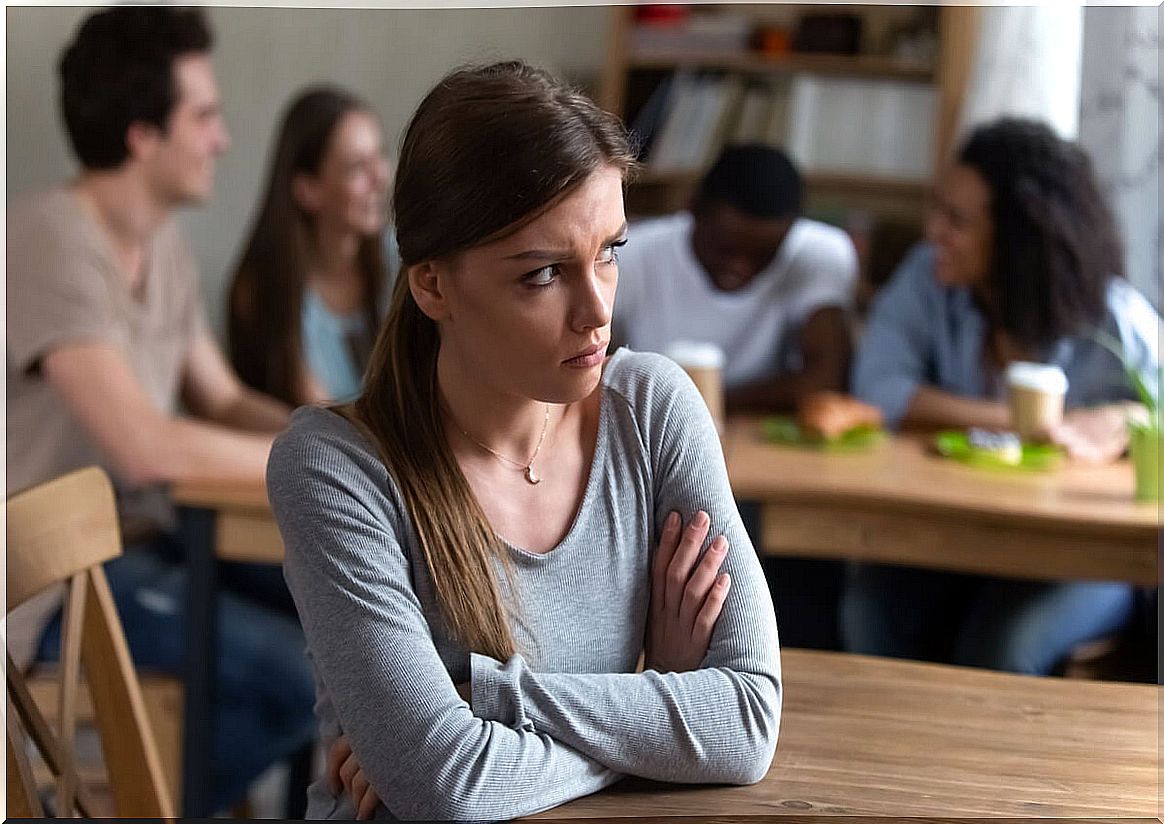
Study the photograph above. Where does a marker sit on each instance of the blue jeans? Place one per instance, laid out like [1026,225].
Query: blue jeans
[1016,626]
[265,688]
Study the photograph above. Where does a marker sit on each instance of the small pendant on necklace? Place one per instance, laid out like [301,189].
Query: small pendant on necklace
[531,477]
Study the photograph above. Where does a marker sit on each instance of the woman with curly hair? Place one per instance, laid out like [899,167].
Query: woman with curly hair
[1022,263]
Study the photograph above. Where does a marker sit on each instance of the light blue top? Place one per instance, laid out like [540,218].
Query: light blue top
[331,346]
[336,346]
[921,332]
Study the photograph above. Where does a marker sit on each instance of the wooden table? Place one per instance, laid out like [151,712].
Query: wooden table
[895,504]
[870,736]
[899,503]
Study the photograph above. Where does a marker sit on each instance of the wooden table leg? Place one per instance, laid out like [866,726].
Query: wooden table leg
[201,638]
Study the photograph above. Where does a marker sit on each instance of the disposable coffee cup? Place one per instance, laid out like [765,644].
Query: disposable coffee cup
[1035,392]
[703,362]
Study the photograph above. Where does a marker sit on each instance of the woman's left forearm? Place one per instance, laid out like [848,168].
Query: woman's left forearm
[712,725]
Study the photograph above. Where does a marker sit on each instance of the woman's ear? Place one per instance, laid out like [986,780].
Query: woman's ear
[427,281]
[305,192]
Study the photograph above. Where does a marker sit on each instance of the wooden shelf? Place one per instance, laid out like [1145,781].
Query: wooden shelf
[863,65]
[813,180]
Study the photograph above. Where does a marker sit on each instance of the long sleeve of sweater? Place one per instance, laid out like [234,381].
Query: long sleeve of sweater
[425,752]
[715,724]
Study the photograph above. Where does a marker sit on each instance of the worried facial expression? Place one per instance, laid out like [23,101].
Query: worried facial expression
[529,315]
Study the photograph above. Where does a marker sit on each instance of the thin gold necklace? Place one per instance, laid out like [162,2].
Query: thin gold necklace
[530,475]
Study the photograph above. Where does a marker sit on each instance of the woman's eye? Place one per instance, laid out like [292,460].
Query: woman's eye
[541,277]
[610,253]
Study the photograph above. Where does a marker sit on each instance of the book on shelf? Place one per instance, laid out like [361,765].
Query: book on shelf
[697,118]
[645,127]
[752,123]
[862,126]
[677,118]
[879,128]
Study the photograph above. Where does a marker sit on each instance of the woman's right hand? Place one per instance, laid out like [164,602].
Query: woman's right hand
[344,774]
[686,596]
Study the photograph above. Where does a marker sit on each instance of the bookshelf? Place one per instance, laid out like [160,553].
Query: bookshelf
[860,64]
[868,127]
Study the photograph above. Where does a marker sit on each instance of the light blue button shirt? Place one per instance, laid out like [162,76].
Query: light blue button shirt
[920,332]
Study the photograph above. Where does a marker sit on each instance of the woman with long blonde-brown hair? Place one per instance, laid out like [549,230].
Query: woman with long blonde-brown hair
[305,298]
[485,542]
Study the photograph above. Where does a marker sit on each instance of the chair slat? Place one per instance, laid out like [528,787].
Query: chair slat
[24,711]
[72,626]
[135,768]
[23,801]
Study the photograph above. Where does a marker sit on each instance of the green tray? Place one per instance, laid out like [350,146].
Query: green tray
[784,430]
[1035,457]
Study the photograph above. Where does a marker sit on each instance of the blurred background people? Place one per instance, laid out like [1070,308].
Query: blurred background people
[107,334]
[1023,263]
[310,286]
[746,271]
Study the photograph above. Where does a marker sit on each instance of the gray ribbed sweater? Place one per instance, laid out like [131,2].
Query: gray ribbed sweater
[571,715]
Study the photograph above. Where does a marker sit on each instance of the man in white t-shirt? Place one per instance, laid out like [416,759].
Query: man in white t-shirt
[744,270]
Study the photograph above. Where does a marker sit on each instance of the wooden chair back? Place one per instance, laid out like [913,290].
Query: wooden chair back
[61,532]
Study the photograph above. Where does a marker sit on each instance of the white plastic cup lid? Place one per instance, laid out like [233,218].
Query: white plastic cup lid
[1040,377]
[696,354]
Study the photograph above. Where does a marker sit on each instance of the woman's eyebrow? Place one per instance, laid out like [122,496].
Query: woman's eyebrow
[560,254]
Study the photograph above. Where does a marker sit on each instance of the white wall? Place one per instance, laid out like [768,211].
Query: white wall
[1119,124]
[388,56]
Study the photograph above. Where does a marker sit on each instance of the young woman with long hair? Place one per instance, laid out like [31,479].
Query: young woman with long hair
[485,542]
[1023,263]
[306,300]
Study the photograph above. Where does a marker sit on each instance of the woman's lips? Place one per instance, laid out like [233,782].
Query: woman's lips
[590,357]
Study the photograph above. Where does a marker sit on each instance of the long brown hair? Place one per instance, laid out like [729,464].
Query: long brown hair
[270,281]
[489,149]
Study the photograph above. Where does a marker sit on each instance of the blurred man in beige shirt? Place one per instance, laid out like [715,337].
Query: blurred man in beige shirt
[106,336]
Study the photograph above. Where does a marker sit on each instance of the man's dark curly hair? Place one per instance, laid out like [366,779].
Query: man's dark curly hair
[1056,246]
[118,71]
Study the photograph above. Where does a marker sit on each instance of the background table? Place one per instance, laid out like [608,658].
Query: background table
[872,736]
[220,520]
[899,503]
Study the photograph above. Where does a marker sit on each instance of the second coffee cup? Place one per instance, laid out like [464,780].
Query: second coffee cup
[703,362]
[1036,392]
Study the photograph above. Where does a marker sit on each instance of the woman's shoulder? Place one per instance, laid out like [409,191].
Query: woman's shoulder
[648,383]
[912,287]
[1135,321]
[916,269]
[1126,301]
[632,373]
[320,445]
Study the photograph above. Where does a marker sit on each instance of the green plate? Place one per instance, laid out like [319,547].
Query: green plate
[785,430]
[1035,457]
